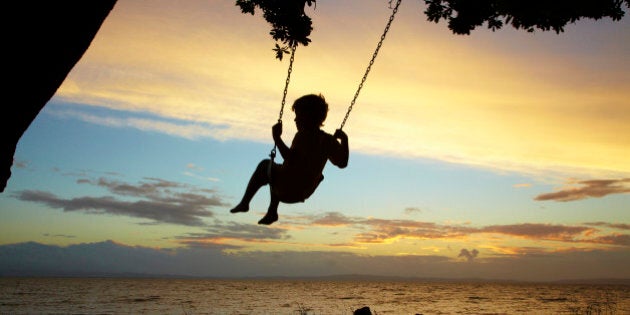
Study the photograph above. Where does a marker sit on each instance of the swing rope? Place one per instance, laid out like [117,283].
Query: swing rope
[272,154]
[284,95]
[369,67]
[286,83]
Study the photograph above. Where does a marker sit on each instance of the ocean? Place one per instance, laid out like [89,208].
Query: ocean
[200,296]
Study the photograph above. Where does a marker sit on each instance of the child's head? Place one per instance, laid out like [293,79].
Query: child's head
[312,109]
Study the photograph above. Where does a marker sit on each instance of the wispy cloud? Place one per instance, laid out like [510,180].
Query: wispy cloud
[187,130]
[378,231]
[59,235]
[539,231]
[219,232]
[193,166]
[206,178]
[383,231]
[620,226]
[159,200]
[20,163]
[589,189]
[613,239]
[412,210]
[522,185]
[206,83]
[334,219]
[375,230]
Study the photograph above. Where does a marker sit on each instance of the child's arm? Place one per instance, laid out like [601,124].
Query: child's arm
[341,153]
[276,132]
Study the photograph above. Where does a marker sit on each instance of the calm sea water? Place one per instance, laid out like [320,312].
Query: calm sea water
[171,296]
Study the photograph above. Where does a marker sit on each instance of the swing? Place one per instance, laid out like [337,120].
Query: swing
[272,154]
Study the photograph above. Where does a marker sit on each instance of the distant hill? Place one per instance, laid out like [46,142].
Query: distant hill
[109,259]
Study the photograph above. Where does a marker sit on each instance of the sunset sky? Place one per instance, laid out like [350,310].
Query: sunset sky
[502,155]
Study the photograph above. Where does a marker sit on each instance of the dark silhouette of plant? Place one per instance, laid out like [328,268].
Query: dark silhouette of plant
[289,24]
[36,70]
[464,16]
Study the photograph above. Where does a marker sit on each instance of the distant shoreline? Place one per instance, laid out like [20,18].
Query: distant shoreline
[343,277]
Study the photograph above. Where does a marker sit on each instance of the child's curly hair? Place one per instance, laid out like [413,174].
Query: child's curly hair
[314,106]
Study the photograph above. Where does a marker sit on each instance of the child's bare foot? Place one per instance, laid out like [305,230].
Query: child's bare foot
[268,219]
[240,208]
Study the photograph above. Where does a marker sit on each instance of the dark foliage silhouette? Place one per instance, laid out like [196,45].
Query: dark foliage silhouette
[289,24]
[43,43]
[465,16]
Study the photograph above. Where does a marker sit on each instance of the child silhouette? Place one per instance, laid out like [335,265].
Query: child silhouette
[301,172]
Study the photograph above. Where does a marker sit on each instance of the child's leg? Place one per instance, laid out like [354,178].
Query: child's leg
[259,178]
[272,212]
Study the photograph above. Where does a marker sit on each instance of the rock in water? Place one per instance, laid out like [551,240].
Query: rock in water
[362,311]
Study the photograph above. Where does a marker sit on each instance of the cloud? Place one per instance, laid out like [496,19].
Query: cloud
[206,178]
[522,185]
[186,130]
[218,233]
[619,226]
[193,166]
[469,255]
[436,115]
[334,219]
[59,235]
[538,231]
[386,230]
[412,210]
[613,239]
[158,200]
[589,189]
[383,230]
[378,231]
[20,163]
[149,189]
[194,169]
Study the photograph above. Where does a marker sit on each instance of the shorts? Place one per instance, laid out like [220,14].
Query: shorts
[289,187]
